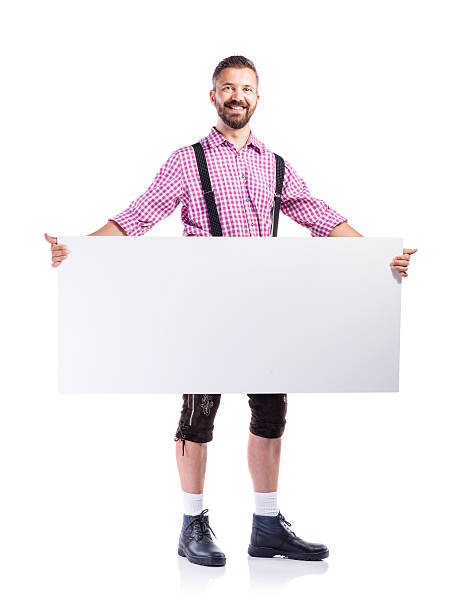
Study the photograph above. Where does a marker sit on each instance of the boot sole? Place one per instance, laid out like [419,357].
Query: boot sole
[212,562]
[260,551]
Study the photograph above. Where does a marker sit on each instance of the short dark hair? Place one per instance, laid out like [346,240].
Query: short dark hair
[234,61]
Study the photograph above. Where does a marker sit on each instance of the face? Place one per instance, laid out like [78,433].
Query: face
[235,96]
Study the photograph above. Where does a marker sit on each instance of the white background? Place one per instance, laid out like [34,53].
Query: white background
[96,95]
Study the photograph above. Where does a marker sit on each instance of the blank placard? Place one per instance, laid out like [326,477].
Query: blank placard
[228,315]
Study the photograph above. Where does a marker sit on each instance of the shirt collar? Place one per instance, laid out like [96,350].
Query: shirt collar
[215,139]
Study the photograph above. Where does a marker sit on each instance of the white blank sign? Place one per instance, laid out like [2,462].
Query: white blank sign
[228,315]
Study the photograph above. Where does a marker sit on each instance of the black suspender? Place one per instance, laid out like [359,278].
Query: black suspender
[278,190]
[214,221]
[216,228]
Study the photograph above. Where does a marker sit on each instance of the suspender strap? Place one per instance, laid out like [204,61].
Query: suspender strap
[278,189]
[216,228]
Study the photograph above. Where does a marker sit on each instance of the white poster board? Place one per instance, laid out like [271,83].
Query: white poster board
[228,315]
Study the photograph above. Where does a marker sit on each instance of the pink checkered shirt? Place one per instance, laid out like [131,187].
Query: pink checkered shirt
[244,187]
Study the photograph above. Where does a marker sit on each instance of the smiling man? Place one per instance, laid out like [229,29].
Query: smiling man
[228,185]
[235,114]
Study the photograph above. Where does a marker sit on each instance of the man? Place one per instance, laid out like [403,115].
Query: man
[242,172]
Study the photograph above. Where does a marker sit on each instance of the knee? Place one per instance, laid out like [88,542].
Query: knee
[189,445]
[267,430]
[268,418]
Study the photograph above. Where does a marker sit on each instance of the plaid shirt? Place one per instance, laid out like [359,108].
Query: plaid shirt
[244,187]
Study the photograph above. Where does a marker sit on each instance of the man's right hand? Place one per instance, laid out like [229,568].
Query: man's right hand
[59,251]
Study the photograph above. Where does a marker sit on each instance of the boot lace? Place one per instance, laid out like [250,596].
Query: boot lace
[285,524]
[200,526]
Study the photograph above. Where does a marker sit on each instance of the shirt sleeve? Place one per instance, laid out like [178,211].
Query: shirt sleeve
[298,204]
[156,203]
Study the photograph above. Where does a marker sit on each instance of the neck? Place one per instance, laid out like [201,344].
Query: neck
[237,137]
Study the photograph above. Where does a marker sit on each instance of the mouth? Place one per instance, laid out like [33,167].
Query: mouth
[236,108]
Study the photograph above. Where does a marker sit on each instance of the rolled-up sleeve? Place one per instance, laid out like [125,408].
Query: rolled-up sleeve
[156,203]
[298,204]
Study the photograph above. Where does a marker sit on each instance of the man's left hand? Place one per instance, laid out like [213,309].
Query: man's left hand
[401,262]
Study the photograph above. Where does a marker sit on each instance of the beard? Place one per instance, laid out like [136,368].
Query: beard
[233,120]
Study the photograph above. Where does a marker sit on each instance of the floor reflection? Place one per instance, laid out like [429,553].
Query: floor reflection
[277,572]
[272,573]
[195,576]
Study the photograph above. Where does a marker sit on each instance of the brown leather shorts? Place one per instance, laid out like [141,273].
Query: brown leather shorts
[196,422]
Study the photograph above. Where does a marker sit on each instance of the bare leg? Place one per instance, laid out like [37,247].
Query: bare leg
[191,466]
[263,457]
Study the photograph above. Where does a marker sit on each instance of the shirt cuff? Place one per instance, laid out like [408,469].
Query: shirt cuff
[326,224]
[130,226]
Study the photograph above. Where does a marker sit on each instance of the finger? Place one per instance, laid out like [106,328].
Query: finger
[60,258]
[60,252]
[55,256]
[51,239]
[409,250]
[402,257]
[400,268]
[59,248]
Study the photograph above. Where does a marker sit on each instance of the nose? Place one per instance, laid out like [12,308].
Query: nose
[238,98]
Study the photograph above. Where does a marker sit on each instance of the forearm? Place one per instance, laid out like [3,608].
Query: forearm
[110,229]
[344,230]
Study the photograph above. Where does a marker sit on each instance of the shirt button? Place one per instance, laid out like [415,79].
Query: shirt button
[252,224]
[243,175]
[248,199]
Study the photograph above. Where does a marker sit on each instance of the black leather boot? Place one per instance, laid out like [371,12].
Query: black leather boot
[196,543]
[271,536]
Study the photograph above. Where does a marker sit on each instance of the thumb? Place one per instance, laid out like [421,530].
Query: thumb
[51,239]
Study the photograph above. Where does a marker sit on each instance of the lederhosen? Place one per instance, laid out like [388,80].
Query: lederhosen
[268,418]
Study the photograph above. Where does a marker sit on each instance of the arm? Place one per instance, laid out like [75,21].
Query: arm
[310,212]
[156,203]
[322,220]
[60,252]
[110,229]
[344,230]
[399,263]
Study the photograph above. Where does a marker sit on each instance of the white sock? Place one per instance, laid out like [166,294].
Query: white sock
[193,503]
[266,504]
